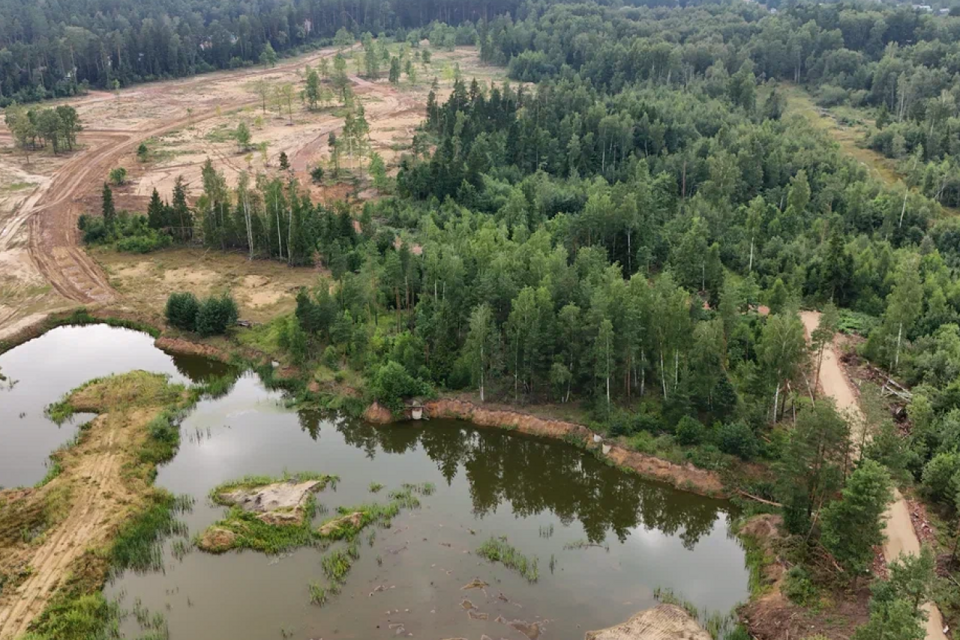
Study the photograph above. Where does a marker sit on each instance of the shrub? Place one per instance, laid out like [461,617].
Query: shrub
[941,476]
[216,315]
[649,422]
[182,310]
[690,431]
[93,228]
[143,243]
[392,383]
[737,438]
[621,423]
[798,586]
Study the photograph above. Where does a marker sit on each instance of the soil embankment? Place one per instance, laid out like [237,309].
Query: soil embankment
[72,519]
[663,622]
[686,477]
[900,535]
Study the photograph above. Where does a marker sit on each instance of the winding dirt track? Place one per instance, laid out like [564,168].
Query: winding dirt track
[900,535]
[98,499]
[54,206]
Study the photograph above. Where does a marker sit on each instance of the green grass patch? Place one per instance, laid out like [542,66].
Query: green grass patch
[499,550]
[720,626]
[318,594]
[139,543]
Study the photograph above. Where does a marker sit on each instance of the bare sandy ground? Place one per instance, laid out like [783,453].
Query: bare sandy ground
[900,535]
[184,122]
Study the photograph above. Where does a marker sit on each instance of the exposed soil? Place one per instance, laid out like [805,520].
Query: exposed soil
[184,123]
[188,348]
[771,616]
[101,486]
[330,529]
[662,622]
[278,503]
[900,534]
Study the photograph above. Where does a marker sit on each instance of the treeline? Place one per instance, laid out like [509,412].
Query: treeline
[899,60]
[62,48]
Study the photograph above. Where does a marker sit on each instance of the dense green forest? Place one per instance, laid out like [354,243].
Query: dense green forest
[605,236]
[62,47]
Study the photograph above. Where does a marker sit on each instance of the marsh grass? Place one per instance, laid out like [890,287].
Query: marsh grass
[336,565]
[318,594]
[584,544]
[498,550]
[139,543]
[720,626]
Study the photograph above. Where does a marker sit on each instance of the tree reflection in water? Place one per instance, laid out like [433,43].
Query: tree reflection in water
[536,475]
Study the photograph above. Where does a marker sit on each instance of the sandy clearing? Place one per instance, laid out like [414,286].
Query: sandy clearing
[900,535]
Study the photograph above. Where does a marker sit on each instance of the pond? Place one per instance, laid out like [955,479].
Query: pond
[42,370]
[604,538]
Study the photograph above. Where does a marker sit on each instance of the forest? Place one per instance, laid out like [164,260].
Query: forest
[631,225]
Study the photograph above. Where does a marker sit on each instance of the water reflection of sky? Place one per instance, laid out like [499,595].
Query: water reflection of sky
[41,371]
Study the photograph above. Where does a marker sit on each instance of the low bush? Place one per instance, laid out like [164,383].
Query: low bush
[216,315]
[181,310]
[738,439]
[690,431]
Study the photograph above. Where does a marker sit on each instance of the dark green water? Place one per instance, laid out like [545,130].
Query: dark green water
[541,495]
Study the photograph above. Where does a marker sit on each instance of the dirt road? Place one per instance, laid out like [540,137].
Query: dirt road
[900,535]
[102,483]
[40,248]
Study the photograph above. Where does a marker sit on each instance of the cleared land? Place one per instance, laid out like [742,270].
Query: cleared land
[183,123]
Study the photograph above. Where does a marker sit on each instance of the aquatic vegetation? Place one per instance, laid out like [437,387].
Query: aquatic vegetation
[498,550]
[138,545]
[375,487]
[337,564]
[318,594]
[584,544]
[546,531]
[720,626]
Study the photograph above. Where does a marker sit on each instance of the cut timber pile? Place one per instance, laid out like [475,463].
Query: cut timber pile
[663,622]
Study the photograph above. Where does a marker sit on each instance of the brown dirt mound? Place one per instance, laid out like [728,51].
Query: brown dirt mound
[217,540]
[187,348]
[663,622]
[280,503]
[355,519]
[378,414]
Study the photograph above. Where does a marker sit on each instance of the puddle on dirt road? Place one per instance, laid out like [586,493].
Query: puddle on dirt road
[544,496]
[42,370]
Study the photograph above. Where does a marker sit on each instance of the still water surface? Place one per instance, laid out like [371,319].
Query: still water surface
[542,495]
[41,371]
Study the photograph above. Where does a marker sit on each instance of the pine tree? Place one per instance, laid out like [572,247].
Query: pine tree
[852,526]
[156,212]
[108,210]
